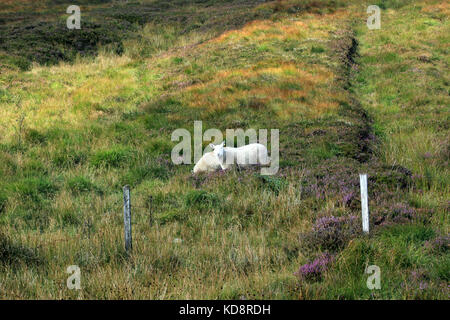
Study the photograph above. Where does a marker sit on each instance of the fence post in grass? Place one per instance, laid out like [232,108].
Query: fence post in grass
[127,218]
[364,202]
[150,209]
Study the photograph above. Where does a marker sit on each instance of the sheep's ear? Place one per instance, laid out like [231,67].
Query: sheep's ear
[211,145]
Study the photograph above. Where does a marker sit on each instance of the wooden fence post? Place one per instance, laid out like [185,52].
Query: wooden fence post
[150,209]
[127,218]
[364,202]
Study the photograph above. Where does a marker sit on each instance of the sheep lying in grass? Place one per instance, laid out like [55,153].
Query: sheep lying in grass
[252,154]
[224,158]
[208,163]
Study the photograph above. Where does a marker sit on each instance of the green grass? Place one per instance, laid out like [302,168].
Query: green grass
[408,96]
[74,129]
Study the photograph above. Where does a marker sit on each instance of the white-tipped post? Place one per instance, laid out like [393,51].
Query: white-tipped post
[364,202]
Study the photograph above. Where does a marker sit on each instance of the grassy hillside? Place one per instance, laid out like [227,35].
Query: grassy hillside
[76,125]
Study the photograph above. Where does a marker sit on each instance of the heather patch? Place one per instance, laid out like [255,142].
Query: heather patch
[331,233]
[339,178]
[394,210]
[439,245]
[50,42]
[314,270]
[420,285]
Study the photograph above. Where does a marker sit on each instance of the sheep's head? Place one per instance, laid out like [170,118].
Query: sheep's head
[218,150]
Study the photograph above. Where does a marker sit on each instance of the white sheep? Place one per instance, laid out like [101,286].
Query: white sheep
[251,154]
[208,163]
